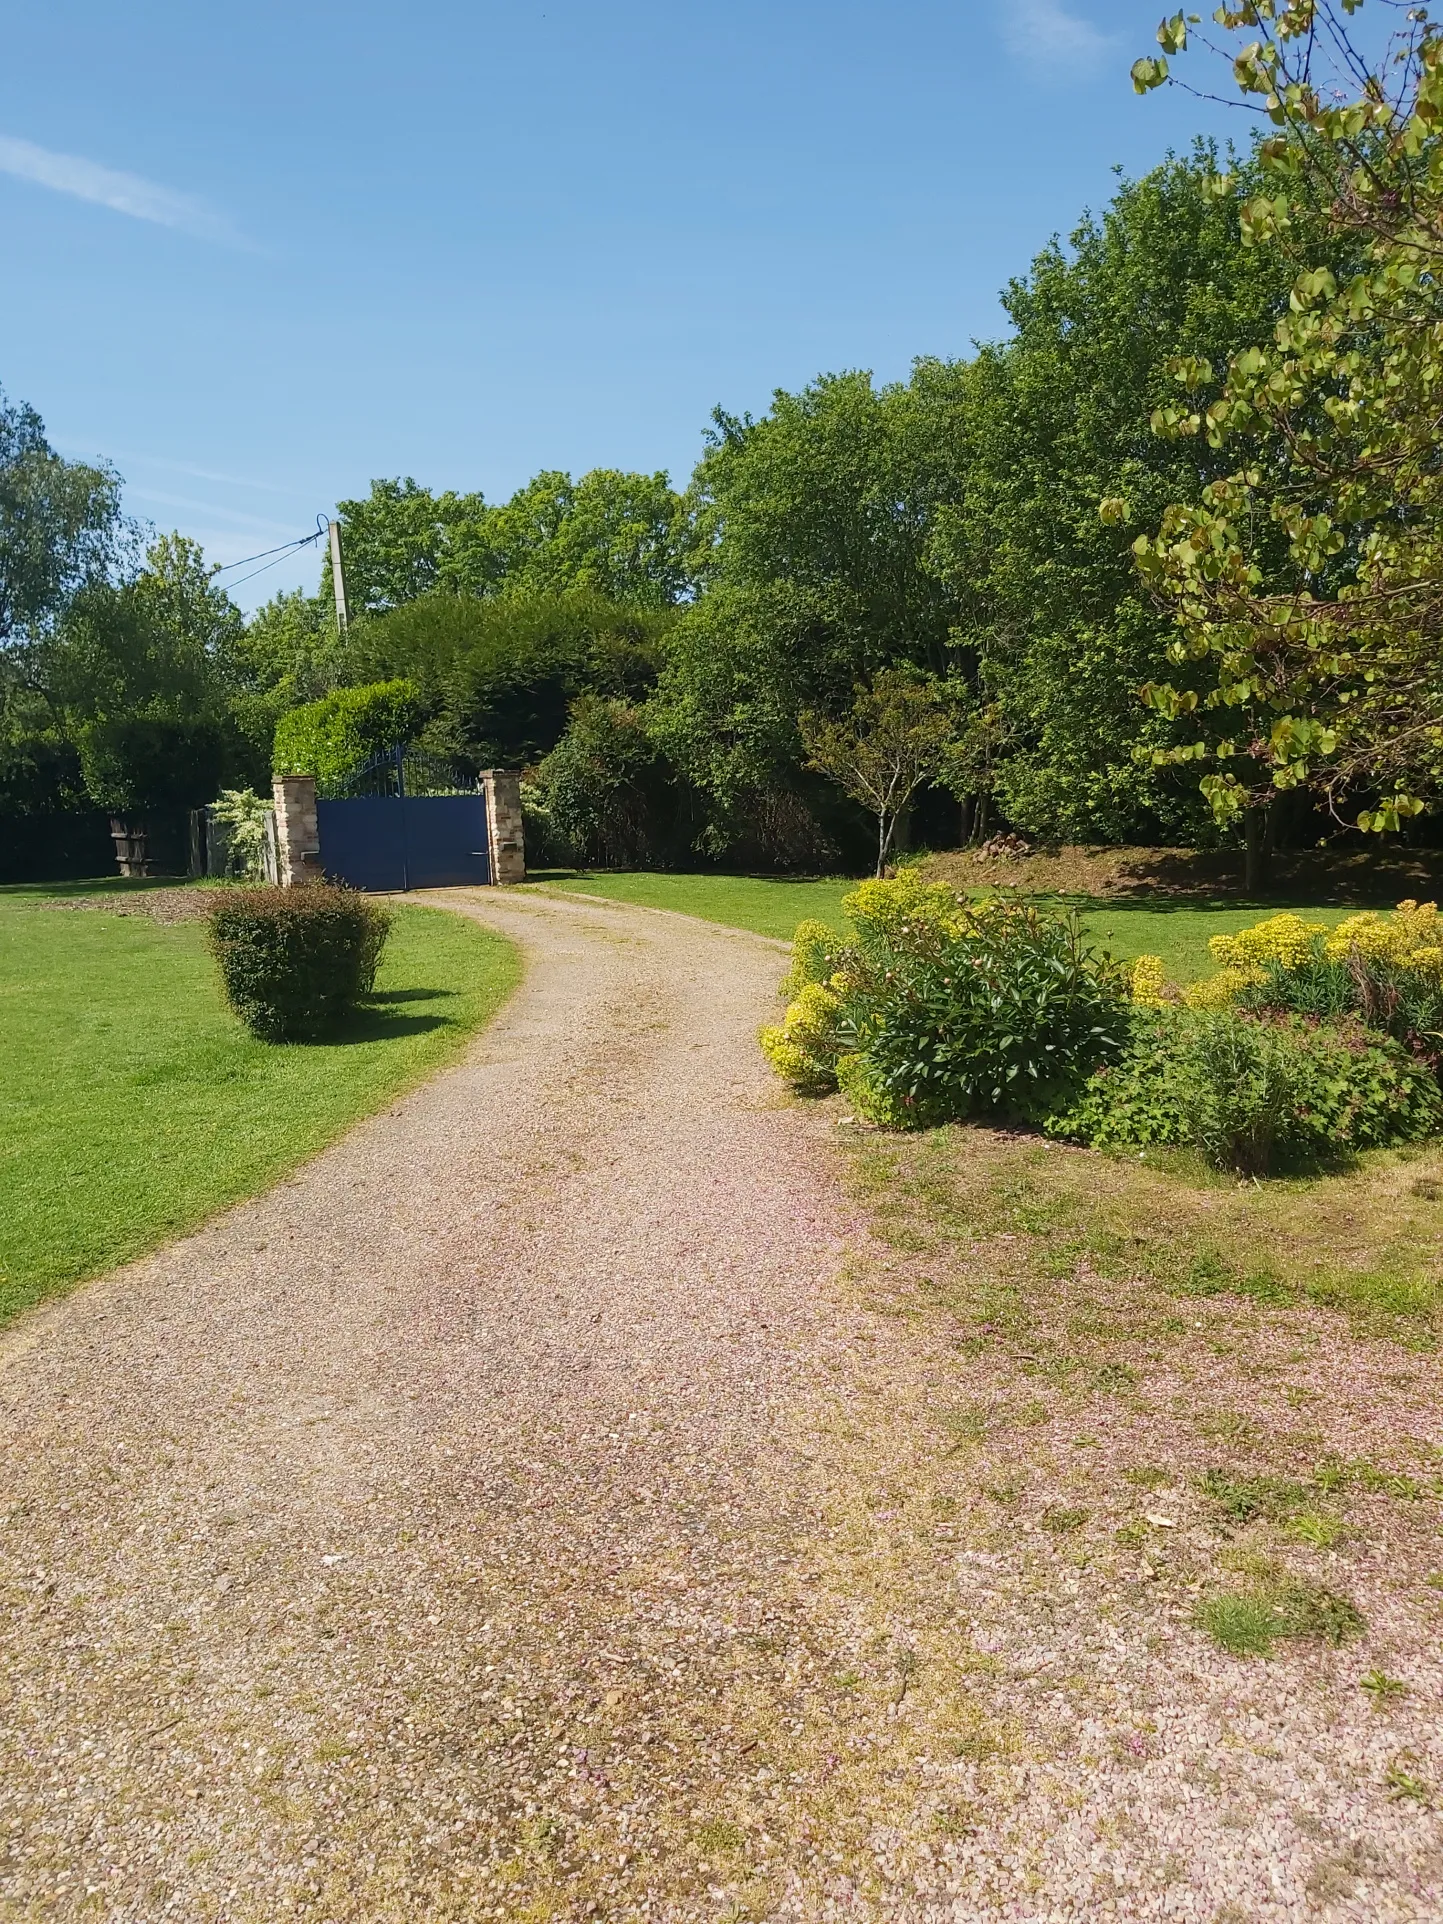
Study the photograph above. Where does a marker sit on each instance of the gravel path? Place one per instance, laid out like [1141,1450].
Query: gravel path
[520,1514]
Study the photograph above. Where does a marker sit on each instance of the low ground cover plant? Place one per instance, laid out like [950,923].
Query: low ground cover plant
[294,962]
[1255,1093]
[1308,1044]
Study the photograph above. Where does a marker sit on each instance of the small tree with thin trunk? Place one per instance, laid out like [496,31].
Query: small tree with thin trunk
[892,741]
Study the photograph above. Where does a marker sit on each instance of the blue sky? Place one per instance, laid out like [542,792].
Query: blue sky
[259,254]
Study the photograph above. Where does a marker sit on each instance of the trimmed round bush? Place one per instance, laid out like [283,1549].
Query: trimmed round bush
[295,961]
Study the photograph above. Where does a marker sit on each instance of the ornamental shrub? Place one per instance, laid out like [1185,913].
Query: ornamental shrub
[244,816]
[1385,970]
[1254,1093]
[935,1011]
[805,1047]
[295,961]
[335,736]
[817,953]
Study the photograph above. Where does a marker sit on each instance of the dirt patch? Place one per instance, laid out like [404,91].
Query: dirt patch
[1376,877]
[159,905]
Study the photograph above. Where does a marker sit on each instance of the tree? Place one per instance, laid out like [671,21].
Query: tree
[1306,582]
[811,532]
[136,763]
[893,740]
[623,536]
[60,527]
[159,643]
[1057,418]
[403,541]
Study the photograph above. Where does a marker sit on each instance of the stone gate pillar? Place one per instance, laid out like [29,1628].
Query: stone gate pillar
[298,838]
[507,837]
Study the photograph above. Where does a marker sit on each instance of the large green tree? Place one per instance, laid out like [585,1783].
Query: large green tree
[1307,580]
[615,534]
[812,527]
[60,527]
[1058,418]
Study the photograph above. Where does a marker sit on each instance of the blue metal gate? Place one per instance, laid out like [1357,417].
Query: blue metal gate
[395,838]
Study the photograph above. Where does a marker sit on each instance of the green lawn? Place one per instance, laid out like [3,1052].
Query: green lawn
[1178,932]
[766,905]
[133,1105]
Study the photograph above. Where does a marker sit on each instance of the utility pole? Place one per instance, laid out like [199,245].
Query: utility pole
[338,579]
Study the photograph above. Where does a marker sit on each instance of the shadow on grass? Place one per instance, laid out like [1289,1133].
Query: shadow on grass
[367,1025]
[102,885]
[410,995]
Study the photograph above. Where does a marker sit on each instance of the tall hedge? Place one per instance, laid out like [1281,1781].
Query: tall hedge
[332,737]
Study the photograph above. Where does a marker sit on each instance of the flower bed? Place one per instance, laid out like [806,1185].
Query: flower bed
[1308,1043]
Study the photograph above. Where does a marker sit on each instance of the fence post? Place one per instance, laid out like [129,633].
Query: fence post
[298,839]
[505,832]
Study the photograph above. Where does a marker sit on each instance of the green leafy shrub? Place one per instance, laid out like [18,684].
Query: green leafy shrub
[1004,1012]
[333,737]
[1236,1084]
[244,816]
[603,784]
[937,1011]
[546,845]
[1133,1100]
[1254,1093]
[295,961]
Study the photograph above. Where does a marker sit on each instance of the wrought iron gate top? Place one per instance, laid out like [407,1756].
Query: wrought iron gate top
[400,770]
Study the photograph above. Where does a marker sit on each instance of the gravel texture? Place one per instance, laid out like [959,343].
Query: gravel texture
[552,1504]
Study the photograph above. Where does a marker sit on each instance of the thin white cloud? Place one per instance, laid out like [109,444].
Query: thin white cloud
[209,474]
[286,529]
[108,187]
[1050,31]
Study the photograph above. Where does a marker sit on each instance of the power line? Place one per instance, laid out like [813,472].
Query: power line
[288,547]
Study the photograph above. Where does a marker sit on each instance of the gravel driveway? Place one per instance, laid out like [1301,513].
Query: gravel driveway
[519,1514]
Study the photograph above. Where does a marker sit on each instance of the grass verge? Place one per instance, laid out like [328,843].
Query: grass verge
[133,1105]
[1366,1240]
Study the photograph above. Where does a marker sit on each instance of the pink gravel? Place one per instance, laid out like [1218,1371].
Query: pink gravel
[520,1514]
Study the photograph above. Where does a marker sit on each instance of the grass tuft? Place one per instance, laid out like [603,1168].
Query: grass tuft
[1250,1623]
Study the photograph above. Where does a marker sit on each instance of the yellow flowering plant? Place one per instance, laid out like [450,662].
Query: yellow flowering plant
[938,1009]
[1385,970]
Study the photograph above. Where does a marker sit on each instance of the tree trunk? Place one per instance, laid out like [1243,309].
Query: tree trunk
[883,837]
[982,821]
[1256,850]
[969,809]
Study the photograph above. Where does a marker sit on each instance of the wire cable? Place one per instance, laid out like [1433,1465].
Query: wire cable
[323,527]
